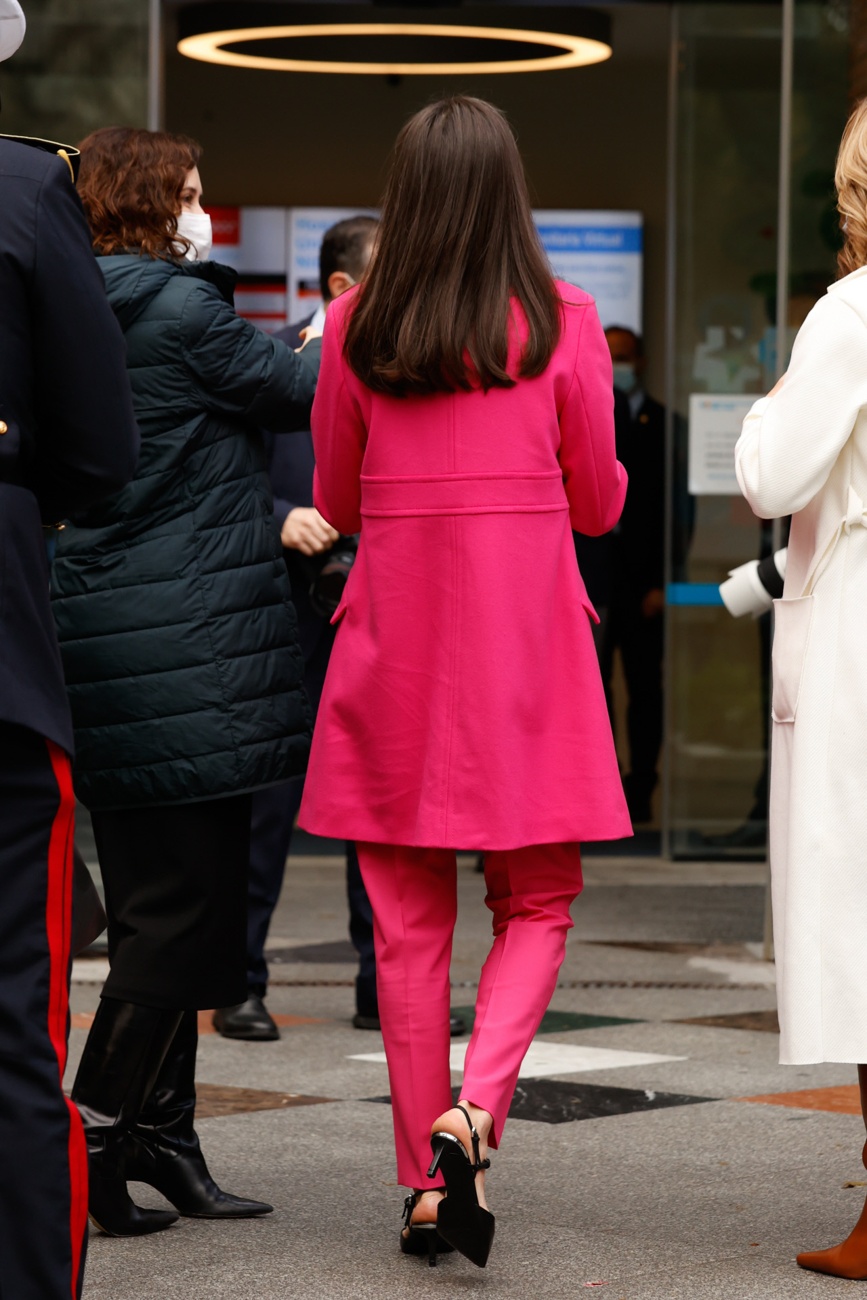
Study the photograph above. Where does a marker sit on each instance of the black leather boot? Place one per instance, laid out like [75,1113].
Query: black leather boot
[121,1059]
[164,1149]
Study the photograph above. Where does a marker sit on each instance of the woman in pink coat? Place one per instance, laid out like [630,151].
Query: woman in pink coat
[464,425]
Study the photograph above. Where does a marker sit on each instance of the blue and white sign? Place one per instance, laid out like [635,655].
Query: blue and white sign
[276,251]
[601,252]
[305,228]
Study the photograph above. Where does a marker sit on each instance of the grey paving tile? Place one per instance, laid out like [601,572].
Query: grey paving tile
[658,1204]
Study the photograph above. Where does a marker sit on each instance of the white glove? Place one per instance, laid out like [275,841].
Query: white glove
[745,592]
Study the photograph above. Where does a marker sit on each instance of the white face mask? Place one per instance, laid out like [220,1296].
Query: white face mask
[196,227]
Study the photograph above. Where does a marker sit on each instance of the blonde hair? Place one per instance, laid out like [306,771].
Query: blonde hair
[850,178]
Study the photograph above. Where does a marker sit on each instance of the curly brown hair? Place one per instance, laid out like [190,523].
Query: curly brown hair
[851,181]
[130,183]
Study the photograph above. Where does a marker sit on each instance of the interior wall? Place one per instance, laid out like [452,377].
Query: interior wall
[591,137]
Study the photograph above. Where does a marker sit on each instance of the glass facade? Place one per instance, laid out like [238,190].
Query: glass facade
[83,64]
[726,99]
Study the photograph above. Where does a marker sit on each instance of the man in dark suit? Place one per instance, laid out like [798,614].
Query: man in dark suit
[307,538]
[67,437]
[343,258]
[634,623]
[596,555]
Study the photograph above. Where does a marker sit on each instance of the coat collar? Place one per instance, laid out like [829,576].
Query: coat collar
[223,278]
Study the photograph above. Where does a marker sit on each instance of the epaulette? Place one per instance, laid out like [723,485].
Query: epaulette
[68,152]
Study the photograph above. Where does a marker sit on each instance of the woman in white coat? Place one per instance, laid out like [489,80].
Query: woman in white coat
[803,451]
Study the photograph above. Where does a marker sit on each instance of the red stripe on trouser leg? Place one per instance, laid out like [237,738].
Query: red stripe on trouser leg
[58,925]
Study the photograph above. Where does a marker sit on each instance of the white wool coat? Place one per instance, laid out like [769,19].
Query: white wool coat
[803,452]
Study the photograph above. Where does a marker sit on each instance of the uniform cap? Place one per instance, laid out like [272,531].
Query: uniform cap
[12,27]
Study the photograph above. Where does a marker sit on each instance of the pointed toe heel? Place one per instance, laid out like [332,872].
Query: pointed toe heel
[834,1262]
[112,1210]
[461,1221]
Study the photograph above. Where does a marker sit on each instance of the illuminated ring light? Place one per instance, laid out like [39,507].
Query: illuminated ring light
[577,51]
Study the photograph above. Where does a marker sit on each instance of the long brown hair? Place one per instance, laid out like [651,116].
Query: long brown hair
[456,243]
[130,183]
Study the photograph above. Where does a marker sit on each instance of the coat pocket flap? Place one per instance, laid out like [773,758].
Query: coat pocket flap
[792,622]
[588,605]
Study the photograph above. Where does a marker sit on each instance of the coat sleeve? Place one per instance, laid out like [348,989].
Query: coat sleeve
[595,480]
[87,439]
[790,441]
[339,436]
[241,371]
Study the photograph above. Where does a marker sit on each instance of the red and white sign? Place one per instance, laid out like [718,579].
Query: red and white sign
[226,226]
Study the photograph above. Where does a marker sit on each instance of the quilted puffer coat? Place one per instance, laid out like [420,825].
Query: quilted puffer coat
[173,607]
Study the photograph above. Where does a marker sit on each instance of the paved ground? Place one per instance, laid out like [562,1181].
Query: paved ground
[635,1166]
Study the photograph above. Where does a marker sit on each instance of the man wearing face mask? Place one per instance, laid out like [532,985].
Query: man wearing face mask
[343,258]
[635,614]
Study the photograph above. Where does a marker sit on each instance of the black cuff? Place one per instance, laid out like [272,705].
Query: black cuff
[769,577]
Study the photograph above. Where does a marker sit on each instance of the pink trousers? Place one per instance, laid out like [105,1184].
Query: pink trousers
[413,893]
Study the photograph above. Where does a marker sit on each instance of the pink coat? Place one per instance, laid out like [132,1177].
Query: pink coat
[463,706]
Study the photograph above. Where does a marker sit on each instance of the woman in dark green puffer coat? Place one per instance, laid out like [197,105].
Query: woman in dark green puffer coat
[184,673]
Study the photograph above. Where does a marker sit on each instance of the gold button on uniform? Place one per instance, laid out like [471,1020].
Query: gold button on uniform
[4,427]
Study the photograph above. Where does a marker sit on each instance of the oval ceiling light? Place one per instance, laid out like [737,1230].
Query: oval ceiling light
[567,50]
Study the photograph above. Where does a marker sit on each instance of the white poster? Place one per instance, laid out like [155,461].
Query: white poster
[715,422]
[253,242]
[304,230]
[601,252]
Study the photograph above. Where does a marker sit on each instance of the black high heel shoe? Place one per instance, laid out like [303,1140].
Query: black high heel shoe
[461,1221]
[420,1238]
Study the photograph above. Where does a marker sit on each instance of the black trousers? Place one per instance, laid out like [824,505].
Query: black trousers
[176,899]
[43,1162]
[274,813]
[640,642]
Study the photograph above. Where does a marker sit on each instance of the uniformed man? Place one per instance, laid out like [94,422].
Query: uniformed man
[67,437]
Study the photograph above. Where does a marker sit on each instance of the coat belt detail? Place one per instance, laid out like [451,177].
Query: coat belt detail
[854,513]
[455,494]
[856,517]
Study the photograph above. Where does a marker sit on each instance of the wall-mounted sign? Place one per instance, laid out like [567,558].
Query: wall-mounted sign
[601,252]
[715,422]
[304,230]
[276,254]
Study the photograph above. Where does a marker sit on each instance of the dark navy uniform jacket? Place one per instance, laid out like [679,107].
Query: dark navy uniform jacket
[67,431]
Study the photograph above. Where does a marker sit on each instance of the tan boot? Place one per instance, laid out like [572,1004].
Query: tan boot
[849,1259]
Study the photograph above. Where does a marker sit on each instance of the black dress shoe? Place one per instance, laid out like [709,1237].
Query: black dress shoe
[249,1020]
[365,1022]
[457,1025]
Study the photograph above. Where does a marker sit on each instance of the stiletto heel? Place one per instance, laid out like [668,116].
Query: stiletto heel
[435,1163]
[421,1238]
[461,1221]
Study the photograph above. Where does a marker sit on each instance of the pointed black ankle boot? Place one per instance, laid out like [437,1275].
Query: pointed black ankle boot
[121,1058]
[164,1149]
